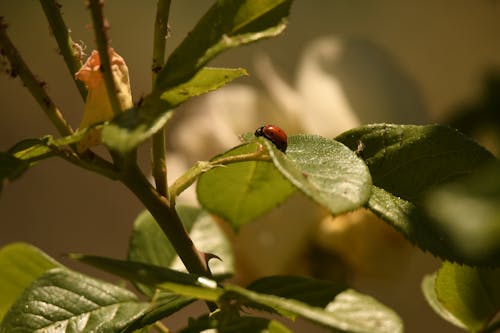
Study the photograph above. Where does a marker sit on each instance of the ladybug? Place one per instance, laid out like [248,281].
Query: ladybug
[275,134]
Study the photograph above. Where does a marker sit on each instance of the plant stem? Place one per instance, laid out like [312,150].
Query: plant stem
[168,219]
[71,56]
[189,177]
[100,27]
[35,87]
[159,150]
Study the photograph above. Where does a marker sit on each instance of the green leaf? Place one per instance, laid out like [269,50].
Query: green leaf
[407,160]
[241,192]
[148,243]
[227,24]
[206,80]
[325,170]
[429,290]
[162,306]
[65,301]
[130,128]
[20,265]
[350,311]
[311,291]
[154,276]
[27,153]
[237,325]
[468,211]
[11,168]
[472,295]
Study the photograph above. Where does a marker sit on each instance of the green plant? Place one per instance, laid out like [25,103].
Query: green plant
[410,176]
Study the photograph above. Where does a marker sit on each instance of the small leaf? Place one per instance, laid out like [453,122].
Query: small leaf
[206,80]
[241,192]
[226,24]
[158,277]
[148,243]
[407,160]
[350,311]
[311,291]
[65,301]
[472,295]
[21,264]
[237,325]
[325,170]
[26,153]
[429,290]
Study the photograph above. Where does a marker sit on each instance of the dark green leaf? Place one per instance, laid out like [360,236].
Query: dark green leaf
[350,311]
[162,306]
[26,153]
[65,301]
[206,80]
[20,265]
[237,325]
[149,244]
[227,24]
[241,192]
[325,170]
[471,295]
[311,291]
[158,277]
[468,211]
[406,160]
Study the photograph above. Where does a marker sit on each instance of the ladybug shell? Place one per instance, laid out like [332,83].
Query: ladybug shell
[274,134]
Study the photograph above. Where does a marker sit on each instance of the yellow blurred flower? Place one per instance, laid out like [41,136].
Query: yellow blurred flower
[97,106]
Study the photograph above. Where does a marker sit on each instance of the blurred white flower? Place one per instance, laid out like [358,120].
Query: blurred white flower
[320,102]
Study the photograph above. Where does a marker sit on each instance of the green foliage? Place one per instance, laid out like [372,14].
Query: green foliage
[148,244]
[64,301]
[241,192]
[21,264]
[431,183]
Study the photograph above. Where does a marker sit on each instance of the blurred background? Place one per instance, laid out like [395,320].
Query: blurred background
[338,65]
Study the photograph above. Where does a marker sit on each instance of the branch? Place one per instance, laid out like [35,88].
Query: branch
[71,56]
[159,150]
[100,28]
[35,87]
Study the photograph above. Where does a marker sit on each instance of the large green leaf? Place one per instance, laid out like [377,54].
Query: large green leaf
[20,265]
[227,24]
[65,301]
[241,192]
[468,211]
[471,295]
[238,324]
[350,311]
[156,277]
[148,243]
[406,160]
[325,170]
[311,291]
[134,126]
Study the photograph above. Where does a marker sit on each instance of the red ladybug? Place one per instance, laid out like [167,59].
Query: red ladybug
[275,134]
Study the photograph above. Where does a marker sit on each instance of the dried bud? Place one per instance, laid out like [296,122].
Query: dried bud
[97,106]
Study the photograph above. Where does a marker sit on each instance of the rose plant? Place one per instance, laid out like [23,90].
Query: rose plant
[431,183]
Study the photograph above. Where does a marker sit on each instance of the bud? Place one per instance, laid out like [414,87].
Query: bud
[97,106]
